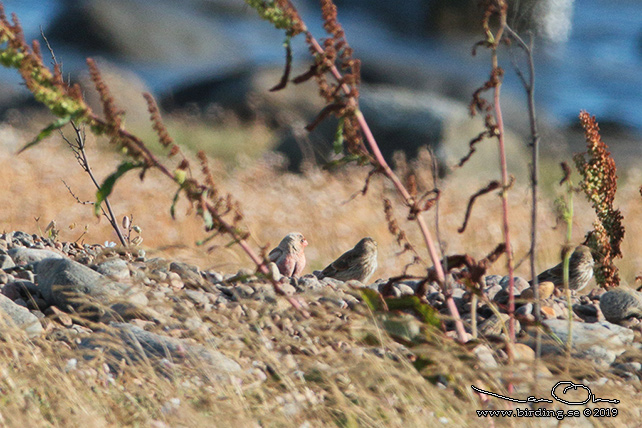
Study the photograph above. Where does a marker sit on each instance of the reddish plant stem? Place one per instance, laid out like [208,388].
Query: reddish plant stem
[229,229]
[408,199]
[505,181]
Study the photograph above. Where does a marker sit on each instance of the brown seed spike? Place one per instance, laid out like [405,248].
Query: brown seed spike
[157,123]
[109,105]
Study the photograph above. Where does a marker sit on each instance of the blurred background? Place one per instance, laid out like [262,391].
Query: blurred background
[210,64]
[216,58]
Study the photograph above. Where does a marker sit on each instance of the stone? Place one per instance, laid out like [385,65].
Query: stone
[491,280]
[545,291]
[16,289]
[21,238]
[6,262]
[309,282]
[140,344]
[28,256]
[493,326]
[64,282]
[197,297]
[274,271]
[600,342]
[485,356]
[116,269]
[620,304]
[18,316]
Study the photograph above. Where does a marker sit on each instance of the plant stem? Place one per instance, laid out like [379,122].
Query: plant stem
[505,181]
[408,199]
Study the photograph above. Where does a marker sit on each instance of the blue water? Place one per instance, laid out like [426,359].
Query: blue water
[598,69]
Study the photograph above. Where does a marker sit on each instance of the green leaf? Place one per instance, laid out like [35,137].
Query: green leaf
[425,311]
[207,218]
[108,185]
[338,138]
[372,299]
[172,209]
[47,131]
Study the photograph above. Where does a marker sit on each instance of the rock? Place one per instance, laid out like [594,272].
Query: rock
[309,282]
[60,316]
[21,239]
[6,262]
[520,284]
[63,283]
[545,291]
[17,289]
[523,352]
[600,342]
[197,297]
[524,310]
[620,304]
[492,291]
[548,312]
[274,271]
[28,256]
[116,269]
[485,356]
[493,326]
[491,280]
[131,30]
[20,317]
[588,313]
[214,277]
[190,274]
[405,289]
[140,344]
[287,288]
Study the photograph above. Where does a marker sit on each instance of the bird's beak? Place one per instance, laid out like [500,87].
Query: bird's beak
[305,242]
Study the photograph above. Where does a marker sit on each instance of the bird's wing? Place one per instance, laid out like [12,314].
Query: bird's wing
[275,254]
[340,264]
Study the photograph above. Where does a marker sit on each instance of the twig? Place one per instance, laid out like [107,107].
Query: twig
[529,87]
[81,156]
[408,199]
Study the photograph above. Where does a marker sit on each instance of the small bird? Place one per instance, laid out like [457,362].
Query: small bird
[580,270]
[289,256]
[358,263]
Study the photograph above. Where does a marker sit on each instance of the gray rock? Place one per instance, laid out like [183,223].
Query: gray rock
[586,312]
[524,310]
[492,280]
[16,289]
[20,317]
[190,274]
[141,344]
[274,271]
[620,304]
[485,356]
[116,269]
[309,282]
[197,297]
[28,256]
[520,284]
[21,238]
[406,289]
[334,283]
[63,283]
[6,262]
[158,264]
[494,326]
[492,291]
[214,277]
[600,342]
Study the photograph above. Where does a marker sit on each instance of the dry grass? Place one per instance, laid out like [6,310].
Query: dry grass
[320,204]
[36,390]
